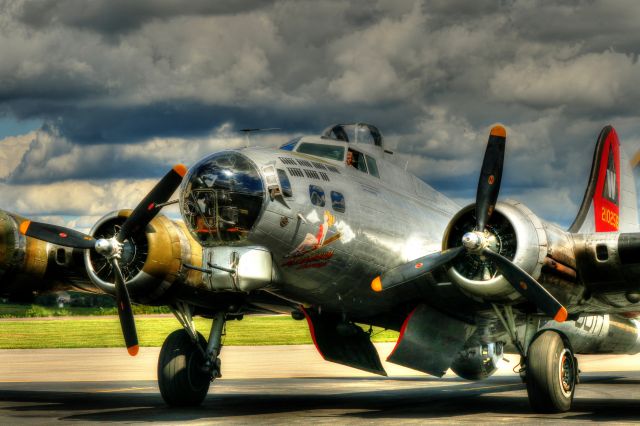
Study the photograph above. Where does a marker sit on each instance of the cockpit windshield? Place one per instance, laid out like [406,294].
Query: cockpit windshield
[333,152]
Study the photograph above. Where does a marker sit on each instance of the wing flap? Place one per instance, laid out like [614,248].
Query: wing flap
[429,340]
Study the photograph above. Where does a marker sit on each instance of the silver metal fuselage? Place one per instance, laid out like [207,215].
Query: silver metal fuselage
[386,221]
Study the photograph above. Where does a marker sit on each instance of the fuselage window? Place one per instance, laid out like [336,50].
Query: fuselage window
[356,159]
[332,152]
[337,202]
[291,144]
[316,194]
[284,183]
[373,166]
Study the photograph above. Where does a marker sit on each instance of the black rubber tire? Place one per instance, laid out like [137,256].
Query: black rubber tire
[543,375]
[182,383]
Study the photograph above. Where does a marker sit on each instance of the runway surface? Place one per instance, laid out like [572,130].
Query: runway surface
[291,384]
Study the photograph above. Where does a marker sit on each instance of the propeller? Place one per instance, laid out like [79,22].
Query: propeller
[111,248]
[528,287]
[57,235]
[408,271]
[477,242]
[490,177]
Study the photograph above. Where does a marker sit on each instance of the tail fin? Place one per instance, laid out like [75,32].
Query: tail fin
[610,202]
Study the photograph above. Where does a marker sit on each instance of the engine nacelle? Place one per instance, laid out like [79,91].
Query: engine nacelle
[478,362]
[601,334]
[516,233]
[29,266]
[22,259]
[152,261]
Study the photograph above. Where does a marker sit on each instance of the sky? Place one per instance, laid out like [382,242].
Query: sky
[98,99]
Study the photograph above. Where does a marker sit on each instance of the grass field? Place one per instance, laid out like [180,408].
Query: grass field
[65,332]
[10,310]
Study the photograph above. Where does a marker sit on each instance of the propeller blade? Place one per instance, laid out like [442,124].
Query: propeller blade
[414,269]
[490,176]
[125,312]
[528,287]
[58,235]
[148,208]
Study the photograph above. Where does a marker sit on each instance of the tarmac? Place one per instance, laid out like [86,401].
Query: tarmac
[292,384]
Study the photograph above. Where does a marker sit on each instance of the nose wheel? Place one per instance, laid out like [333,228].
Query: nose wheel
[551,373]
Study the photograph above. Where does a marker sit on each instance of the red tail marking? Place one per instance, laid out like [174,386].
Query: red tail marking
[606,200]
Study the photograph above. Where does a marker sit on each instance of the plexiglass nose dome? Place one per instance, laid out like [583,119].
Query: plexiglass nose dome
[221,199]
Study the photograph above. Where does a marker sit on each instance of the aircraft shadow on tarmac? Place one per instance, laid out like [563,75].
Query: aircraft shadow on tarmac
[451,398]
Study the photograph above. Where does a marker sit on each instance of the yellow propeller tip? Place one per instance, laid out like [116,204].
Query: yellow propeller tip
[180,169]
[561,315]
[133,350]
[24,226]
[376,284]
[499,131]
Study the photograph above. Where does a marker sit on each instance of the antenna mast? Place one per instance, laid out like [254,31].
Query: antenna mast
[247,132]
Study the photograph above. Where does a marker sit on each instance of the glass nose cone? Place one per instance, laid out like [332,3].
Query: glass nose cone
[221,199]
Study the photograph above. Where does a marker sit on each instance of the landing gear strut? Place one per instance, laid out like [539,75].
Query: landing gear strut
[187,363]
[548,366]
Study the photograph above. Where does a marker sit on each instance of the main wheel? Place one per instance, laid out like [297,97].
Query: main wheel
[551,374]
[180,376]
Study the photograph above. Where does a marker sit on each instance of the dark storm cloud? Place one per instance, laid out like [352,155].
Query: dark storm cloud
[134,124]
[118,16]
[434,76]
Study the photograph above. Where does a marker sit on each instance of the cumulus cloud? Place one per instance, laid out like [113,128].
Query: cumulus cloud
[591,81]
[46,156]
[12,150]
[127,89]
[74,197]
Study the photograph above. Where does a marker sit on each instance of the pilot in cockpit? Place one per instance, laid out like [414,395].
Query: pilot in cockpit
[356,159]
[350,158]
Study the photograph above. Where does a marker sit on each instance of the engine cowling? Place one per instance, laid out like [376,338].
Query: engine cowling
[478,362]
[516,233]
[152,260]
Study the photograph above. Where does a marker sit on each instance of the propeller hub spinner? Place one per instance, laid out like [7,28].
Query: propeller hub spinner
[109,248]
[473,241]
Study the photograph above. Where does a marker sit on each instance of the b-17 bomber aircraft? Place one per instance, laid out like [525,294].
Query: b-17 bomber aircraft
[328,229]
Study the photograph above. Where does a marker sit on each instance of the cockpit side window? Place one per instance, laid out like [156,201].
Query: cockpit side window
[356,159]
[373,166]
